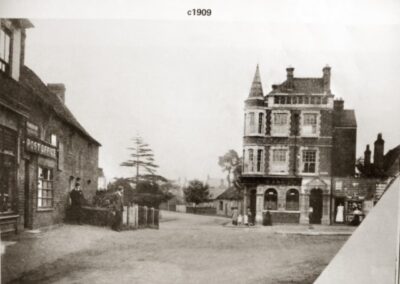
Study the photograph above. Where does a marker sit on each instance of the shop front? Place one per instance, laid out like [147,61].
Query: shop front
[9,169]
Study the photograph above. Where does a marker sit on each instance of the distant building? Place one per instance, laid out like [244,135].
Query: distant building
[44,150]
[230,199]
[297,138]
[216,186]
[383,165]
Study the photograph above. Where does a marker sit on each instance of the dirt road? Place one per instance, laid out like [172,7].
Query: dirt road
[186,249]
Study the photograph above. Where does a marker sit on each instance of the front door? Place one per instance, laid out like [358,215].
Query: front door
[27,223]
[253,204]
[316,205]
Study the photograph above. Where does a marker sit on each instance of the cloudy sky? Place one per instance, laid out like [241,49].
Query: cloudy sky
[180,81]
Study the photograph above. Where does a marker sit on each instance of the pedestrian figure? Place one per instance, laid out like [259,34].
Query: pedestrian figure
[76,199]
[118,209]
[339,213]
[310,216]
[250,217]
[267,219]
[245,220]
[235,217]
[240,219]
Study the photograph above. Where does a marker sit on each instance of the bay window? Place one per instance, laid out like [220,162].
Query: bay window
[254,122]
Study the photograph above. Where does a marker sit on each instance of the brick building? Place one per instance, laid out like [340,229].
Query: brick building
[297,138]
[44,150]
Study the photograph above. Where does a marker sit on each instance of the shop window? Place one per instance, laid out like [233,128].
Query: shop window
[292,200]
[270,199]
[8,171]
[309,161]
[45,187]
[5,49]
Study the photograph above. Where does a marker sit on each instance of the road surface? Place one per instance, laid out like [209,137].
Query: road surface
[186,249]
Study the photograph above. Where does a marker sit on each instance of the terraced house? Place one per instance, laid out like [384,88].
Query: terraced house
[44,150]
[297,138]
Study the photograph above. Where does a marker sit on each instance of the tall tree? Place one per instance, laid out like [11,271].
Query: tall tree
[142,159]
[196,192]
[229,162]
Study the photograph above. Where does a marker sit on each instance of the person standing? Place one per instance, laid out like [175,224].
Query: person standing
[340,213]
[76,197]
[118,209]
[235,217]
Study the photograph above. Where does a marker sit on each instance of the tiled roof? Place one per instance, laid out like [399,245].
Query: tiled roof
[35,85]
[344,118]
[302,85]
[231,193]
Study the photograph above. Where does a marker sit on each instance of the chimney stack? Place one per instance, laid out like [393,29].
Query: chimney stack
[59,90]
[338,104]
[290,76]
[378,153]
[367,157]
[326,71]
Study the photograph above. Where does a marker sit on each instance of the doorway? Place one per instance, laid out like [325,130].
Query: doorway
[253,205]
[27,221]
[316,204]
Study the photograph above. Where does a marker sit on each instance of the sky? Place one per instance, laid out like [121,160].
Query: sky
[181,82]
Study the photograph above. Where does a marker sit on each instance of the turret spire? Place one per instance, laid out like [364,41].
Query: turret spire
[256,87]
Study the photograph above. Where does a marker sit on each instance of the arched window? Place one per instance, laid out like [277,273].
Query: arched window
[271,199]
[292,199]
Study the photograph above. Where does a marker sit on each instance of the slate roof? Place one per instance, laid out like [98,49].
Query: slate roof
[391,157]
[256,87]
[344,118]
[232,193]
[302,85]
[36,87]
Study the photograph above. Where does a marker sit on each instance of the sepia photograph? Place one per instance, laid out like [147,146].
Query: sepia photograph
[188,142]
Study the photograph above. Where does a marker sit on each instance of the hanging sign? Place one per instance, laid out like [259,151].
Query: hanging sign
[41,148]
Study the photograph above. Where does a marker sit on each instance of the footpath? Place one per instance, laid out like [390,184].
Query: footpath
[300,229]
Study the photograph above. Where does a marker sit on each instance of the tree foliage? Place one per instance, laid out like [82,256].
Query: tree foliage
[229,162]
[142,159]
[196,192]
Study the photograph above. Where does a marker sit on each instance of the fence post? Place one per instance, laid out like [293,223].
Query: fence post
[136,216]
[152,216]
[145,215]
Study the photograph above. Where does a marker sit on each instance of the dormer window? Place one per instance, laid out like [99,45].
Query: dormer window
[5,47]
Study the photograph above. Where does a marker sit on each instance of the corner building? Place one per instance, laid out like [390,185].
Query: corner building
[297,138]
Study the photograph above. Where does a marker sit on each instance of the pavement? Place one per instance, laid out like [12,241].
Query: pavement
[186,249]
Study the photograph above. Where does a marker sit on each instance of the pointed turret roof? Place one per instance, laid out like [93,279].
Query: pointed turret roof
[256,87]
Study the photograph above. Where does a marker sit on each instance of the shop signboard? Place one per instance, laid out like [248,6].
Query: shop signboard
[41,148]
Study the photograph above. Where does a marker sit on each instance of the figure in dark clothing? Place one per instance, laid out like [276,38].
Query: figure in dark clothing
[118,209]
[76,197]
